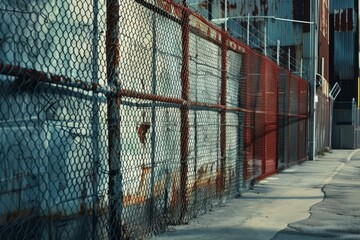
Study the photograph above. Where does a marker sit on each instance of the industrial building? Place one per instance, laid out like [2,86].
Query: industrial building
[344,52]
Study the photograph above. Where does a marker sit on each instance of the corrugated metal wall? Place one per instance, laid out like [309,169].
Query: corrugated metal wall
[344,27]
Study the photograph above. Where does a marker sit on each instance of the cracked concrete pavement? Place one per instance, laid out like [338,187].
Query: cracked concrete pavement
[315,200]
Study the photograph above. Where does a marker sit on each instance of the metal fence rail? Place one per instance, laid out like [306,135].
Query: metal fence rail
[118,118]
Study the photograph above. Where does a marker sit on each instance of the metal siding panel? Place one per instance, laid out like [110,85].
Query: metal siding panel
[340,4]
[275,30]
[344,52]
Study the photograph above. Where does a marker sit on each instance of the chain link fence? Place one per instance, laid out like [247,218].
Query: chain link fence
[322,122]
[118,118]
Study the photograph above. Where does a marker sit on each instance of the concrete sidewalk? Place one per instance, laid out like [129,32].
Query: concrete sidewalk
[286,200]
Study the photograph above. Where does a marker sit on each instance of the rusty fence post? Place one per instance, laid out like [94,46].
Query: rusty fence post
[113,107]
[184,134]
[247,128]
[222,176]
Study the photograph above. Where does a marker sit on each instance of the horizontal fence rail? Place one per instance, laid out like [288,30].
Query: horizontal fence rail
[118,118]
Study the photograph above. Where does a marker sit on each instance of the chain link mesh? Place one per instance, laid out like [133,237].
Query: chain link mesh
[119,118]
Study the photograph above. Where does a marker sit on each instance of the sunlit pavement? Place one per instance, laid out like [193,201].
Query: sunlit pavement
[290,205]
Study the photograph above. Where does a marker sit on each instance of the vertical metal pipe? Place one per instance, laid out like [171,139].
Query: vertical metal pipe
[223,115]
[289,59]
[196,138]
[313,71]
[301,67]
[95,117]
[247,129]
[113,105]
[331,102]
[153,122]
[322,71]
[226,14]
[299,120]
[288,119]
[265,41]
[277,118]
[248,30]
[184,145]
[278,52]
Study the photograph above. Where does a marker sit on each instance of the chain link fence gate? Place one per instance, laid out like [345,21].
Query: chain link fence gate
[118,118]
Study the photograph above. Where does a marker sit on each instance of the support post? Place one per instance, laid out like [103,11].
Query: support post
[184,135]
[289,59]
[265,41]
[153,124]
[221,187]
[313,71]
[226,14]
[322,72]
[278,52]
[248,31]
[113,105]
[301,67]
[95,119]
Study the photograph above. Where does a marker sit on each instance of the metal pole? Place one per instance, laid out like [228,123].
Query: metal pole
[265,40]
[184,144]
[221,188]
[226,15]
[278,52]
[289,58]
[331,101]
[301,67]
[322,72]
[113,104]
[95,119]
[153,124]
[248,31]
[313,67]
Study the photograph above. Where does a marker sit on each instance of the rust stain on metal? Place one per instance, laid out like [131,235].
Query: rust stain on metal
[223,113]
[204,5]
[264,4]
[146,96]
[219,182]
[140,197]
[184,135]
[235,46]
[159,187]
[242,11]
[204,178]
[205,28]
[255,12]
[232,6]
[170,8]
[174,193]
[32,77]
[145,170]
[142,131]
